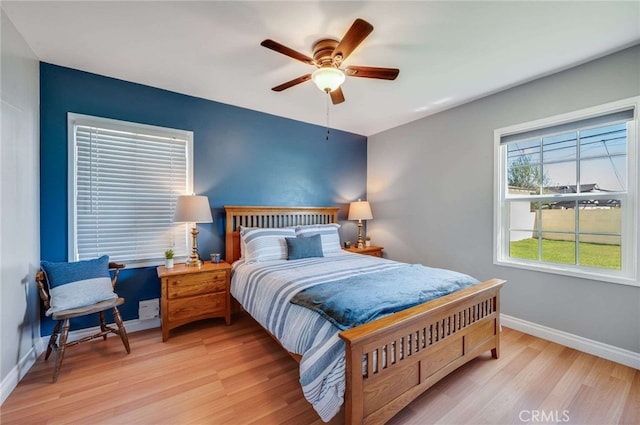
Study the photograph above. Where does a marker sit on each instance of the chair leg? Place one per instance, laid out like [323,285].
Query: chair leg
[61,349]
[103,325]
[53,339]
[121,330]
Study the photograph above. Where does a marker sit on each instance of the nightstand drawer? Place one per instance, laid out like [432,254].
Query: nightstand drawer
[195,284]
[199,306]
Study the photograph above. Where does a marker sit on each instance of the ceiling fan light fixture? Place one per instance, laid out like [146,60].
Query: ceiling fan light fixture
[327,78]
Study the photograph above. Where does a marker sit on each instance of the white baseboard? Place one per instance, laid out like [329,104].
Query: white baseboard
[10,382]
[606,351]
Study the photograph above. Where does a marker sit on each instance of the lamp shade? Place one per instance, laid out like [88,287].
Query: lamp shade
[328,79]
[360,210]
[192,209]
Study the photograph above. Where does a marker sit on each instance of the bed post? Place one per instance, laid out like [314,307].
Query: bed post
[354,408]
[229,254]
[495,352]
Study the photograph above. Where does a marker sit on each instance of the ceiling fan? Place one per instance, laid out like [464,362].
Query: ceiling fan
[328,56]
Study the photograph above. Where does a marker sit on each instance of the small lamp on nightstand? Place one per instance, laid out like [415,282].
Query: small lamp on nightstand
[360,210]
[193,209]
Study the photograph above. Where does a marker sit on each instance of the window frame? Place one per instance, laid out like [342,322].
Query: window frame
[627,275]
[74,119]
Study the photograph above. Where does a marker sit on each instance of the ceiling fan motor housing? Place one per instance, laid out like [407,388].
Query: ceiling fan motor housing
[322,51]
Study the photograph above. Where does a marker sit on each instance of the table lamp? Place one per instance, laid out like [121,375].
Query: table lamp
[193,209]
[360,210]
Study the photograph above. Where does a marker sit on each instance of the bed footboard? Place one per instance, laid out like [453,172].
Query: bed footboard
[393,360]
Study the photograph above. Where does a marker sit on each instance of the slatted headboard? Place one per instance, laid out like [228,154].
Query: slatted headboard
[237,216]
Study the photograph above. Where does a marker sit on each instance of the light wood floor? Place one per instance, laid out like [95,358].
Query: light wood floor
[209,373]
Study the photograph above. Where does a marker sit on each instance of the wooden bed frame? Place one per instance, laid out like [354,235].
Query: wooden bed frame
[405,353]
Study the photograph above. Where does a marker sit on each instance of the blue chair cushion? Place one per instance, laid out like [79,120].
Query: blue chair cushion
[298,248]
[78,284]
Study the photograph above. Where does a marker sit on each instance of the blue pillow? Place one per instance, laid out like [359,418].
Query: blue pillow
[78,284]
[298,248]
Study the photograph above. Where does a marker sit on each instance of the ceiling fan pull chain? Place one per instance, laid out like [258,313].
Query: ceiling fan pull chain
[328,96]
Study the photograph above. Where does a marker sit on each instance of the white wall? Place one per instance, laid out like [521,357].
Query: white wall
[430,184]
[19,207]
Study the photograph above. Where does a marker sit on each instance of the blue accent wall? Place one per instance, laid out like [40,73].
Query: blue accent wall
[241,157]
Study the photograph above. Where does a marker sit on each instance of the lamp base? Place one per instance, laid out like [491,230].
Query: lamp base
[193,262]
[194,258]
[360,243]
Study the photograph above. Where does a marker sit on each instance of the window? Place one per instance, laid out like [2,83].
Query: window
[566,194]
[124,179]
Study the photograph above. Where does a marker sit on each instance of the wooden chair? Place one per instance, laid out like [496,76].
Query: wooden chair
[63,317]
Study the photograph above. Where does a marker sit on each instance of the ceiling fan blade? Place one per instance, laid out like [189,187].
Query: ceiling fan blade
[292,83]
[274,45]
[359,30]
[372,72]
[337,96]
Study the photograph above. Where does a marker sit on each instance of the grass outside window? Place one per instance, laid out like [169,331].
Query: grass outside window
[591,254]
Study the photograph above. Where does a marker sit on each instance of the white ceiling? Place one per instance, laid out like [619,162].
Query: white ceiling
[448,52]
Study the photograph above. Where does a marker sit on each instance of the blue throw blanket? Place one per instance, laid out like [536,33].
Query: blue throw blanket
[359,299]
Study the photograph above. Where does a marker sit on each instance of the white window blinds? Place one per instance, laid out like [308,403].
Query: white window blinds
[126,178]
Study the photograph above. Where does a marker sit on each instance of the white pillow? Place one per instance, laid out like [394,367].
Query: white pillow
[328,234]
[243,246]
[265,244]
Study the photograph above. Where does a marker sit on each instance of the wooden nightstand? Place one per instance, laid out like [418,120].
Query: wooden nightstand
[375,251]
[194,293]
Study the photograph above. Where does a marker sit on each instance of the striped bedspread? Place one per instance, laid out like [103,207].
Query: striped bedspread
[265,290]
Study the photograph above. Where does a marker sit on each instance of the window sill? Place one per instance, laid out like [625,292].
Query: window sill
[598,275]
